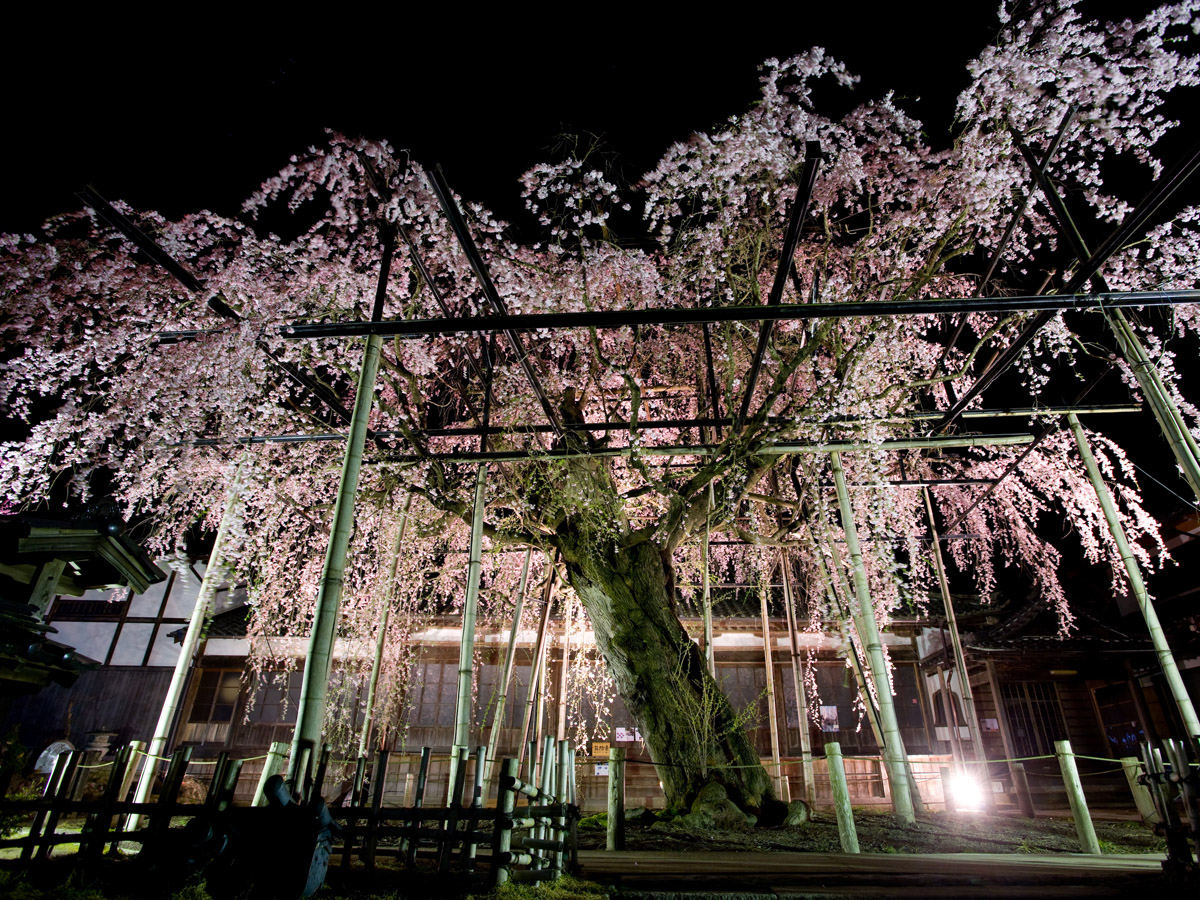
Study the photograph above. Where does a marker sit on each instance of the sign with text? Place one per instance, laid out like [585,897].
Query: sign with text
[600,748]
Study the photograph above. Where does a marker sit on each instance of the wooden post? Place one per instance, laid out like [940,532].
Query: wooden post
[945,774]
[409,845]
[1165,659]
[616,799]
[378,783]
[385,603]
[1021,787]
[1141,797]
[528,729]
[789,602]
[45,586]
[506,806]
[847,833]
[960,660]
[506,674]
[59,800]
[1079,810]
[160,819]
[772,714]
[868,630]
[710,655]
[271,766]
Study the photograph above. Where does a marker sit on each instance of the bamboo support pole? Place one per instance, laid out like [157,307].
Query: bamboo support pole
[806,760]
[1079,810]
[781,786]
[1178,690]
[893,753]
[506,673]
[463,707]
[560,719]
[310,716]
[213,574]
[385,599]
[1166,412]
[847,833]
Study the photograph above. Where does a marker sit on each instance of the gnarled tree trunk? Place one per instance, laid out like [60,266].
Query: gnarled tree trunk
[693,733]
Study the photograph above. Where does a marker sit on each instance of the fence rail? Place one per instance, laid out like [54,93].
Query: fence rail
[529,835]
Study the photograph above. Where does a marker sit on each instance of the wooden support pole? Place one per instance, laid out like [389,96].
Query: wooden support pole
[616,799]
[1079,810]
[789,602]
[506,673]
[528,727]
[1165,659]
[1141,796]
[868,630]
[847,833]
[310,714]
[45,586]
[947,776]
[710,655]
[385,603]
[1021,788]
[781,786]
[564,672]
[960,660]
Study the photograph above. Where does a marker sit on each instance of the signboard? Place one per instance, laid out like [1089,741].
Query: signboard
[600,748]
[602,768]
[628,734]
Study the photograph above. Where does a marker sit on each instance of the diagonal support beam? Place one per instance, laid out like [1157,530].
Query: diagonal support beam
[459,226]
[1131,226]
[791,237]
[156,254]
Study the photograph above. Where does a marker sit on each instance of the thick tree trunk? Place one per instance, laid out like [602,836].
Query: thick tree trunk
[693,733]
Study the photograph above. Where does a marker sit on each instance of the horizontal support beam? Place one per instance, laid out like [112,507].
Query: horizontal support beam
[419,328]
[663,424]
[783,448]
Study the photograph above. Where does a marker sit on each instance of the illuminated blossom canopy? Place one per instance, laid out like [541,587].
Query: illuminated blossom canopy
[890,218]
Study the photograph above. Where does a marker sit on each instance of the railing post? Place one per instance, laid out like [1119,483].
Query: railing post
[271,766]
[616,799]
[847,833]
[565,761]
[1079,810]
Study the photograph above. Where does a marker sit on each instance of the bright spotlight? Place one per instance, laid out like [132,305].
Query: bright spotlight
[967,791]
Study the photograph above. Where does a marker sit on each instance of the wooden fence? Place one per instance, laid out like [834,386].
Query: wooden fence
[530,834]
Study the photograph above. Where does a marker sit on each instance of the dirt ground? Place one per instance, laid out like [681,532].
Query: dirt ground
[879,832]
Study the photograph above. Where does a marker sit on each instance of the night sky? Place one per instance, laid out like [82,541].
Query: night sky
[188,114]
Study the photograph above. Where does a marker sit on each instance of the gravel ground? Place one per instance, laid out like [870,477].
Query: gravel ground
[879,832]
